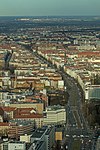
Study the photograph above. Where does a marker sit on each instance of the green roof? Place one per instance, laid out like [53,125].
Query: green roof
[94,93]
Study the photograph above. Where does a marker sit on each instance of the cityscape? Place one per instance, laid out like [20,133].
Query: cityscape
[50,83]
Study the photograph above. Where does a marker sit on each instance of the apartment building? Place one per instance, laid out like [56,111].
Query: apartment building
[54,115]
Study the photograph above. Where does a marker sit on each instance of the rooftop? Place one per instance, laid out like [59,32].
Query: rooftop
[55,107]
[39,132]
[94,93]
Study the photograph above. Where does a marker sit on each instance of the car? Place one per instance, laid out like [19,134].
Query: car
[74,136]
[74,125]
[82,141]
[87,136]
[61,147]
[89,140]
[67,135]
[81,135]
[66,147]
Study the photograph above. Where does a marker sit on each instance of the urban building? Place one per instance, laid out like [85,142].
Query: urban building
[46,135]
[16,145]
[54,115]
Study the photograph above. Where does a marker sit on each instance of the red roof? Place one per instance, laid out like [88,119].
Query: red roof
[6,46]
[26,113]
[8,109]
[89,53]
[4,124]
[28,116]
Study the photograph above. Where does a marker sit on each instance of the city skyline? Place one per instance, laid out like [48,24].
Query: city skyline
[49,76]
[49,8]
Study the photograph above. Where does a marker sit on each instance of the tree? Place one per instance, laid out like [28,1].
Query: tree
[97,79]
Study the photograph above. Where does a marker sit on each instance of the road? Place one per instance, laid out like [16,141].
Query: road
[77,133]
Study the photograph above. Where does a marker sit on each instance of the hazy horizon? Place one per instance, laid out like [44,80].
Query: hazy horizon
[50,16]
[50,8]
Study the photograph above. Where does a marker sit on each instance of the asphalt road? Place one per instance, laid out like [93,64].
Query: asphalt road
[77,133]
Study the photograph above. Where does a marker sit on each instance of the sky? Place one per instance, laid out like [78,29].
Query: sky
[49,7]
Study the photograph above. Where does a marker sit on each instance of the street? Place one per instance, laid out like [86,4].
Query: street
[77,132]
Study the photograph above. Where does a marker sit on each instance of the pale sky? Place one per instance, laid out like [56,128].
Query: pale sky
[49,7]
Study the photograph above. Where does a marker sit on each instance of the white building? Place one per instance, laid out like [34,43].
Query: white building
[45,138]
[17,145]
[92,92]
[55,115]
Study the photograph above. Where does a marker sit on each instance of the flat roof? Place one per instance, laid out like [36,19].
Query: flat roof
[94,93]
[39,132]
